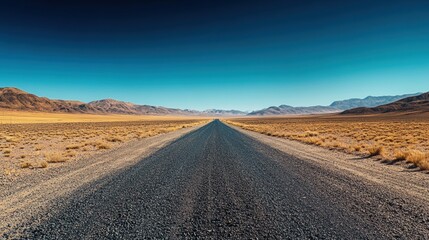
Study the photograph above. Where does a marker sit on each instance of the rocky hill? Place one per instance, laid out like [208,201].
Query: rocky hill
[13,98]
[416,104]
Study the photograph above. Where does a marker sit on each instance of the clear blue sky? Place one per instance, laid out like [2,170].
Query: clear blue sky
[244,55]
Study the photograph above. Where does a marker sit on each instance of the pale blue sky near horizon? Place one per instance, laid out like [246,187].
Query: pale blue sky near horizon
[201,55]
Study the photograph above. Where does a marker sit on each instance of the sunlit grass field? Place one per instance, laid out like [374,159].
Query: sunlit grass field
[392,138]
[40,140]
[14,117]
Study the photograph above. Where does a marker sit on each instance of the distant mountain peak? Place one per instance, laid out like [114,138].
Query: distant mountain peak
[417,104]
[12,90]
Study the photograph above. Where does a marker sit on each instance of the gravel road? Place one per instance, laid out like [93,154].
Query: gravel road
[217,182]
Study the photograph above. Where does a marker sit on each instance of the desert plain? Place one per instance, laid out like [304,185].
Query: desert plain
[31,141]
[400,139]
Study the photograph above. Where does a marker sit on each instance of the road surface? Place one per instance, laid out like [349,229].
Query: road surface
[217,182]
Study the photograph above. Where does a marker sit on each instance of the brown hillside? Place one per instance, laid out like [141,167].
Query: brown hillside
[416,104]
[16,99]
[13,98]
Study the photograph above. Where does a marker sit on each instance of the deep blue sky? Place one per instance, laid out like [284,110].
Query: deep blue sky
[215,54]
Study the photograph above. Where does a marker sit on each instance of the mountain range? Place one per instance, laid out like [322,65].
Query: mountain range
[368,102]
[16,99]
[414,104]
[289,110]
[337,106]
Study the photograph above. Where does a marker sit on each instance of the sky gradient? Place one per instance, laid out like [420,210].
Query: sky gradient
[244,55]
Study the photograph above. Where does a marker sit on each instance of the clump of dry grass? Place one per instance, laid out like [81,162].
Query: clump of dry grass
[311,134]
[356,147]
[113,139]
[10,139]
[73,146]
[400,155]
[103,145]
[43,164]
[70,154]
[54,157]
[420,159]
[26,164]
[376,151]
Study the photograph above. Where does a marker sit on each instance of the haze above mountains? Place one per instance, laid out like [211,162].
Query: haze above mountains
[16,99]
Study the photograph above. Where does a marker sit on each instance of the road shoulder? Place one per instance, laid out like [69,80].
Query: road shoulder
[406,181]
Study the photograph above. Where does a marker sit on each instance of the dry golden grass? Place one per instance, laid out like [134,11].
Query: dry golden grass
[73,146]
[400,138]
[114,139]
[376,151]
[43,164]
[37,144]
[102,145]
[400,155]
[25,164]
[16,117]
[419,158]
[54,157]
